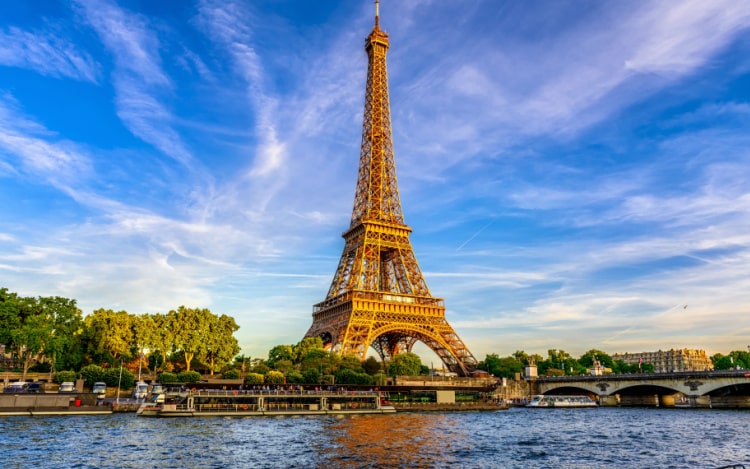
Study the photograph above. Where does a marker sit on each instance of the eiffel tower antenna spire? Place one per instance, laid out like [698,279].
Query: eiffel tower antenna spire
[378,297]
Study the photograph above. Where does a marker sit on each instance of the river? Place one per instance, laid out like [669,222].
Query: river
[515,438]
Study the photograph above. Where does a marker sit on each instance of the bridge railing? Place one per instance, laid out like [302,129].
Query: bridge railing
[648,376]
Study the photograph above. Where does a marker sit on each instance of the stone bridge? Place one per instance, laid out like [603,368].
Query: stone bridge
[688,389]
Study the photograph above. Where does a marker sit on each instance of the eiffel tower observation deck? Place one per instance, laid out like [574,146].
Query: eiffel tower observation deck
[378,297]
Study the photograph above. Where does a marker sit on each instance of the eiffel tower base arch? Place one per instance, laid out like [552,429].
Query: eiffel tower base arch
[352,327]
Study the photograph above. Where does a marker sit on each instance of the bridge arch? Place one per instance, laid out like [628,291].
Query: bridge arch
[718,389]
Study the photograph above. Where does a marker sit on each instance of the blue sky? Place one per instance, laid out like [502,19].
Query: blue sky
[577,174]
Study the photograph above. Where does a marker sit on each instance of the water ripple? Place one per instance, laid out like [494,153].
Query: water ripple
[517,438]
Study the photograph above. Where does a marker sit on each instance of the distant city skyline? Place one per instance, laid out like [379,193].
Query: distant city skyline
[575,174]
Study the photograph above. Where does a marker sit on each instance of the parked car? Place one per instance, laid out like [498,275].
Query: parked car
[36,386]
[99,388]
[17,387]
[68,386]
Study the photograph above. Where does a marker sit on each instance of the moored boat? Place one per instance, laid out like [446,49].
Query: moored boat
[51,404]
[553,401]
[234,403]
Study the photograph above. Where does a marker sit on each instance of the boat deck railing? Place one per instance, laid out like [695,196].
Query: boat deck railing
[277,392]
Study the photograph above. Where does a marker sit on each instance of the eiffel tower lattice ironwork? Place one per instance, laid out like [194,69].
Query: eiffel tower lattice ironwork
[378,297]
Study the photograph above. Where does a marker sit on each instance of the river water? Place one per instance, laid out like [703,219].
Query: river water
[515,438]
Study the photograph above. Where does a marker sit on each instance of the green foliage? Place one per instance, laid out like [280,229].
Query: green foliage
[46,327]
[275,377]
[191,328]
[295,377]
[521,357]
[91,374]
[167,377]
[311,376]
[351,362]
[307,345]
[733,360]
[118,376]
[188,377]
[283,366]
[220,346]
[371,366]
[109,335]
[587,359]
[42,367]
[254,378]
[501,367]
[405,364]
[279,353]
[231,374]
[261,369]
[349,376]
[63,376]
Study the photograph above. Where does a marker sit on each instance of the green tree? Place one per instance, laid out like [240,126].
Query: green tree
[283,366]
[188,377]
[119,376]
[294,377]
[405,364]
[241,362]
[109,335]
[311,376]
[254,378]
[221,345]
[587,359]
[521,357]
[192,329]
[26,327]
[351,362]
[63,347]
[305,346]
[91,374]
[278,353]
[162,338]
[274,377]
[144,330]
[46,329]
[722,362]
[489,363]
[167,377]
[33,333]
[350,376]
[63,376]
[371,366]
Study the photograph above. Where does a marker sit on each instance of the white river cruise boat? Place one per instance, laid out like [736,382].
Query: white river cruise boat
[561,401]
[234,403]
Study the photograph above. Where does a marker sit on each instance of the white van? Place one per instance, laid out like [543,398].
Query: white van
[99,388]
[67,386]
[140,391]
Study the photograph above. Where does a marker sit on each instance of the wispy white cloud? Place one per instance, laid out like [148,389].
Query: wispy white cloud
[47,53]
[508,87]
[138,77]
[40,153]
[676,39]
[534,239]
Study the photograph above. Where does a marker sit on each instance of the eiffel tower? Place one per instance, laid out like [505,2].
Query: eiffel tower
[378,297]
